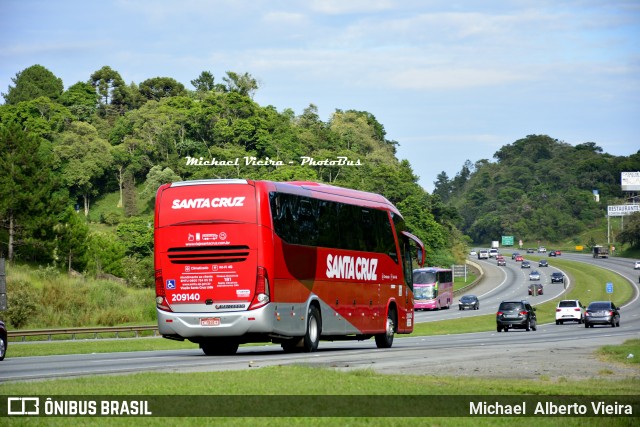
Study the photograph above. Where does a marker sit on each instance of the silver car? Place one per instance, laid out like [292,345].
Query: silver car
[602,313]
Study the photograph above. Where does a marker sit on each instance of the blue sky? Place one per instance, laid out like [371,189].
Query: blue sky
[450,80]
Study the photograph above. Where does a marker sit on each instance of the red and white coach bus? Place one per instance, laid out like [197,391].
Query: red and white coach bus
[240,261]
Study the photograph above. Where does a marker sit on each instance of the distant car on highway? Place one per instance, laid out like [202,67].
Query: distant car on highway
[542,250]
[514,255]
[534,275]
[543,263]
[530,250]
[552,253]
[637,265]
[558,253]
[469,301]
[525,264]
[569,310]
[519,258]
[483,254]
[473,253]
[536,289]
[3,340]
[601,313]
[501,260]
[556,276]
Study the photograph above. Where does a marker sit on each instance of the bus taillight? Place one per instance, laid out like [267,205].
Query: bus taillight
[160,292]
[261,296]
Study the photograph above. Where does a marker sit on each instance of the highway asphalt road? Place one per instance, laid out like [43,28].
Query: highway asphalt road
[550,352]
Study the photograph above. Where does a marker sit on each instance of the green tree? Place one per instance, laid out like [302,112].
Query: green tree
[631,232]
[26,188]
[41,116]
[111,89]
[104,254]
[130,195]
[204,82]
[84,156]
[81,99]
[161,87]
[442,186]
[244,84]
[22,303]
[137,236]
[155,178]
[32,83]
[71,237]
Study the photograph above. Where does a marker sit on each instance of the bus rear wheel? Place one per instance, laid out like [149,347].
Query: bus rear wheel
[219,347]
[385,340]
[314,329]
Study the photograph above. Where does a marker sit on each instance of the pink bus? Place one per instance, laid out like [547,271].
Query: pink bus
[432,288]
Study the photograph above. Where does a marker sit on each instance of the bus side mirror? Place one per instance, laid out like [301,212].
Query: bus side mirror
[420,256]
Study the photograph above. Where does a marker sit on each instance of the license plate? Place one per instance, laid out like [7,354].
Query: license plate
[210,321]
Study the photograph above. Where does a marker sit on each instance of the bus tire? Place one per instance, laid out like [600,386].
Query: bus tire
[221,347]
[314,329]
[385,340]
[3,347]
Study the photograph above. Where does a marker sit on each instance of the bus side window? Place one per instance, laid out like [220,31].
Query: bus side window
[307,222]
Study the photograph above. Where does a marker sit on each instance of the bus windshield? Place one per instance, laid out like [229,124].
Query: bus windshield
[424,277]
[422,292]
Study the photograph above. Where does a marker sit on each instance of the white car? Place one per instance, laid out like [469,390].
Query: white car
[493,253]
[483,254]
[569,310]
[637,265]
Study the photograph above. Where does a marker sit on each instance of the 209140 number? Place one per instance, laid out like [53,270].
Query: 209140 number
[185,297]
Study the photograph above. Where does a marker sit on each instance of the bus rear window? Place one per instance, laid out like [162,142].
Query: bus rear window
[214,202]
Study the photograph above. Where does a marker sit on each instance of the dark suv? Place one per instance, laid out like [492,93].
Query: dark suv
[516,315]
[557,277]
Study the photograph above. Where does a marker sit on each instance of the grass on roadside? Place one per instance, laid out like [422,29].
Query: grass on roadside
[627,353]
[299,381]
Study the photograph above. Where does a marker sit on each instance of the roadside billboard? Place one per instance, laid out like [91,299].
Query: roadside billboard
[622,210]
[630,181]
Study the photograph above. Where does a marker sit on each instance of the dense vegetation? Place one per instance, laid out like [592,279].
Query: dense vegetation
[538,188]
[64,152]
[79,169]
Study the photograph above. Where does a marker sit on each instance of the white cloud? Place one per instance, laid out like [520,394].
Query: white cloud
[452,78]
[285,18]
[340,7]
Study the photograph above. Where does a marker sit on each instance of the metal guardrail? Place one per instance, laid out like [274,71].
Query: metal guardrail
[78,331]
